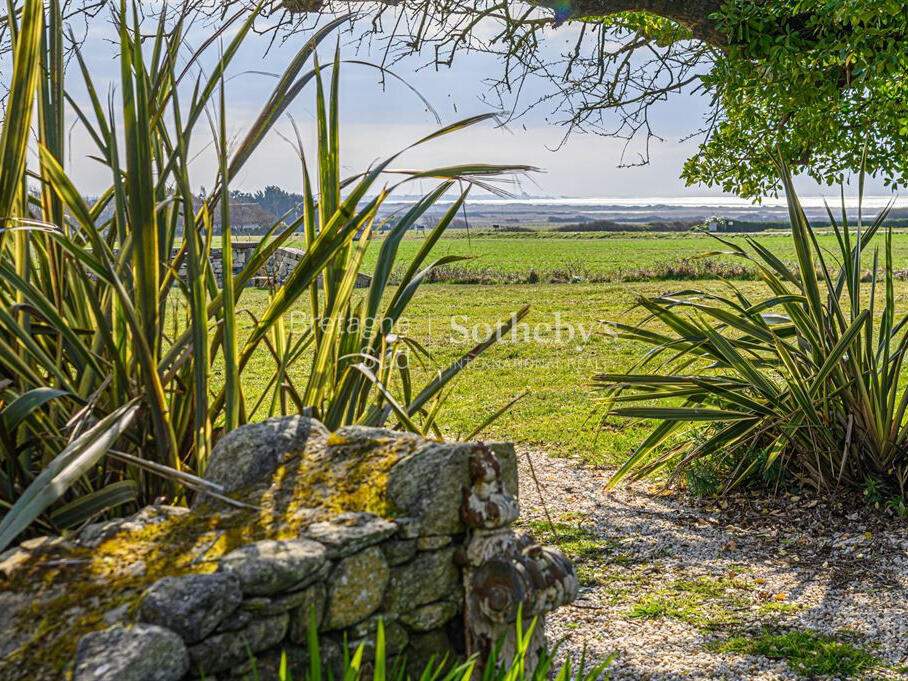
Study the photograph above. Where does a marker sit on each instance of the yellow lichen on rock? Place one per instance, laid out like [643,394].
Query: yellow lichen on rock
[73,590]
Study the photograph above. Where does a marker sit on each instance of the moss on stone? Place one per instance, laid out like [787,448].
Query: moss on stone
[72,590]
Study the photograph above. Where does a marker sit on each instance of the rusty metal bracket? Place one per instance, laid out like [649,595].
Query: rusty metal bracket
[506,574]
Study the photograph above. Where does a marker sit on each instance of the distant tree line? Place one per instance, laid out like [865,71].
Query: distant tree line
[274,200]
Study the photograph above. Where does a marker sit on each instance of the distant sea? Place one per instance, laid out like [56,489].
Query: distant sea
[526,210]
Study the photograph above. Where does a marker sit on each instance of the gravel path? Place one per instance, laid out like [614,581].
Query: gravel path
[671,585]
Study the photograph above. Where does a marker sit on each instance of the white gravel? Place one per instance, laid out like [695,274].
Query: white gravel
[794,563]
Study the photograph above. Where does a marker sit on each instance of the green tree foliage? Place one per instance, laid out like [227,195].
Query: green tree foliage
[814,78]
[273,199]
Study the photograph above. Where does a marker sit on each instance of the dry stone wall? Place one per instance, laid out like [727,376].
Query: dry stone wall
[339,531]
[275,270]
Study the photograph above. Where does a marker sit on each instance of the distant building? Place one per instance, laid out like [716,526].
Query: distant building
[246,219]
[717,224]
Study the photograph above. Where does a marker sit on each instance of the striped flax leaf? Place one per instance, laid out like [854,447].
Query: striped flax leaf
[798,384]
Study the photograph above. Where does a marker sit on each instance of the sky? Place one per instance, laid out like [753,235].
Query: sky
[380,118]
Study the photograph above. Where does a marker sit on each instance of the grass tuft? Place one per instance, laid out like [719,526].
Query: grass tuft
[807,653]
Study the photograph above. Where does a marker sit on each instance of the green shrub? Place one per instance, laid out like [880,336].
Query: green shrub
[92,364]
[805,380]
[707,476]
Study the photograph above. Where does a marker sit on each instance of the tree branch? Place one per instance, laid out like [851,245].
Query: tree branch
[692,14]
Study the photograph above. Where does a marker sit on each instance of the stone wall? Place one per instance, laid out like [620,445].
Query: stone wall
[342,530]
[276,269]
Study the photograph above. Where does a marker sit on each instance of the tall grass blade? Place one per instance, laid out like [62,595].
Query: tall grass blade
[71,464]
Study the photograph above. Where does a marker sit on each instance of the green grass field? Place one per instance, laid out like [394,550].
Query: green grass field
[593,256]
[561,412]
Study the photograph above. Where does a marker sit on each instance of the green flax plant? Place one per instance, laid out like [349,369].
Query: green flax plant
[382,667]
[804,379]
[106,401]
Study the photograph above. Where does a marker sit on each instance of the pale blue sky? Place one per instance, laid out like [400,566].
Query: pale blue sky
[377,121]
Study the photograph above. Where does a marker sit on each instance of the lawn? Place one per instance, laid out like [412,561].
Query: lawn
[560,412]
[592,256]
